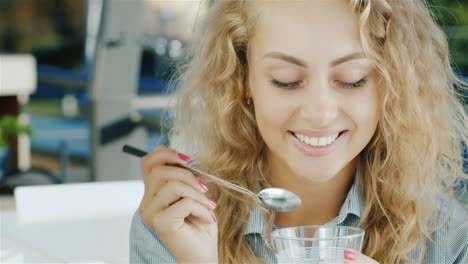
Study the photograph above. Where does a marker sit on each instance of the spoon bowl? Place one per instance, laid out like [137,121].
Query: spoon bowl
[275,199]
[280,200]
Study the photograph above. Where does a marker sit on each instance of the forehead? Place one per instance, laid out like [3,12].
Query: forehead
[306,27]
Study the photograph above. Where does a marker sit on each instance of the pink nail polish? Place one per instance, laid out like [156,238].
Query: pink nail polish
[213,202]
[203,185]
[183,157]
[214,218]
[349,255]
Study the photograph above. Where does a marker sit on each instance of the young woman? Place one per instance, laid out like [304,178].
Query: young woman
[351,104]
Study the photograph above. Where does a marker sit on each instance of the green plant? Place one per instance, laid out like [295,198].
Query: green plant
[10,126]
[452,15]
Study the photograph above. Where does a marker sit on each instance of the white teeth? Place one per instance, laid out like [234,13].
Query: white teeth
[317,142]
[323,141]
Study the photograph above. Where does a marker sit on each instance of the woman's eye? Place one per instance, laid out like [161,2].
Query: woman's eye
[357,84]
[296,84]
[288,85]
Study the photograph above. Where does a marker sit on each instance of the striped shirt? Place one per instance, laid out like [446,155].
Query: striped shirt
[449,245]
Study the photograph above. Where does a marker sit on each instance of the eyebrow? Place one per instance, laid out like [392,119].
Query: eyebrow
[299,62]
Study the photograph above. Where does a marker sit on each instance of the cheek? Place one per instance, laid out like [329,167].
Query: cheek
[268,113]
[365,110]
[272,114]
[372,106]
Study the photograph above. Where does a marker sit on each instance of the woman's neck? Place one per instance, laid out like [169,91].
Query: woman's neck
[321,202]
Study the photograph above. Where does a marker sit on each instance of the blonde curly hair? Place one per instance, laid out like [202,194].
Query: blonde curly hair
[414,156]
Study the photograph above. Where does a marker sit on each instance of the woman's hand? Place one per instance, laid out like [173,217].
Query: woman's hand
[353,257]
[175,208]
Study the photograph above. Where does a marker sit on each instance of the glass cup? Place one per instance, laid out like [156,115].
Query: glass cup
[315,244]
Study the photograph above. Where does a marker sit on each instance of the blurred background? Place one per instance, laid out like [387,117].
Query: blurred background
[80,78]
[62,37]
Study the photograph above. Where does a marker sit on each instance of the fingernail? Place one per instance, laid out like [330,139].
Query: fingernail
[349,255]
[214,218]
[203,185]
[183,157]
[212,202]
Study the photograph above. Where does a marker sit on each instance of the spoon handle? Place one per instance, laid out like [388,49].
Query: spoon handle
[140,153]
[219,181]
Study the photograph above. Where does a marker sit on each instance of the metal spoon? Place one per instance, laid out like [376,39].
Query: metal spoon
[275,199]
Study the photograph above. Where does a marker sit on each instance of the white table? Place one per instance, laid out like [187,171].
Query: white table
[69,223]
[103,240]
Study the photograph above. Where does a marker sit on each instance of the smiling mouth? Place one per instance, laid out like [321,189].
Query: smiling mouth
[317,141]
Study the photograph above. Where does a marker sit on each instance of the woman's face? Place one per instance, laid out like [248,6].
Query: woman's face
[314,91]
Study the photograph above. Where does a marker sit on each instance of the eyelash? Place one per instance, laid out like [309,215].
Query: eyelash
[294,85]
[357,84]
[287,86]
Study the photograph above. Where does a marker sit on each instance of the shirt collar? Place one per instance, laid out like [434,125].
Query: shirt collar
[353,204]
[255,223]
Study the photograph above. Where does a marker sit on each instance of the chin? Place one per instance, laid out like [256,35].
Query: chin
[317,176]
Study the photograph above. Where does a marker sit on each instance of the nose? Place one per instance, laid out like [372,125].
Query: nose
[319,104]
